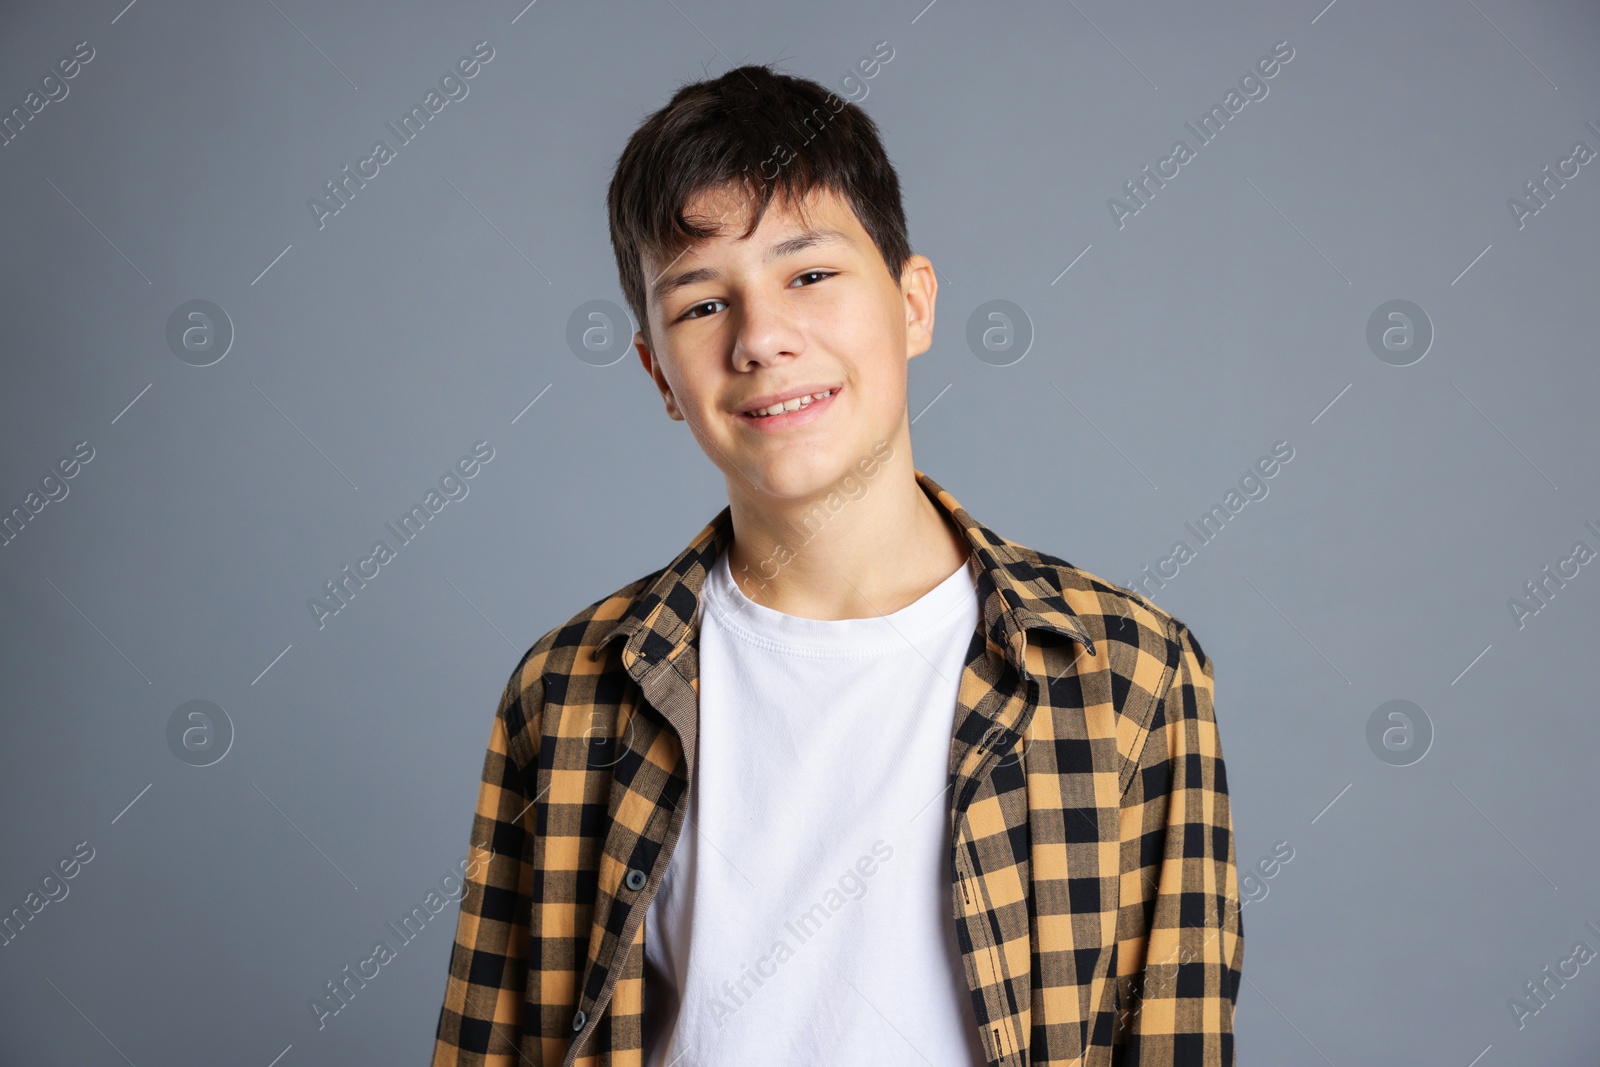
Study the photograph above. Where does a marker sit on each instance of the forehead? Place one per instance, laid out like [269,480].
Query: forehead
[731,206]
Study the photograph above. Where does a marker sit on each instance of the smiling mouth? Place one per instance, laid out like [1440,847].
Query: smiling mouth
[796,404]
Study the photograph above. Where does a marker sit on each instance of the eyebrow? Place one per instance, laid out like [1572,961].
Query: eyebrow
[798,243]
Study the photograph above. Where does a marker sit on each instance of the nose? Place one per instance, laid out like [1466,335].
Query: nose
[765,332]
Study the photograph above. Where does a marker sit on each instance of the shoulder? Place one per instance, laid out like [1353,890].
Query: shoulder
[1114,613]
[568,649]
[560,658]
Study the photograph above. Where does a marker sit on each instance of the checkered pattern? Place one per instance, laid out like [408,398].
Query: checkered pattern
[1093,885]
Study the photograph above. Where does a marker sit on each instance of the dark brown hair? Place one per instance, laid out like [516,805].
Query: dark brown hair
[767,133]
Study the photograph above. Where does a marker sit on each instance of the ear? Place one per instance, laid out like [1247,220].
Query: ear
[919,288]
[652,367]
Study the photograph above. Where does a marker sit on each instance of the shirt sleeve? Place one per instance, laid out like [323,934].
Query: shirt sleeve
[480,1022]
[1181,1003]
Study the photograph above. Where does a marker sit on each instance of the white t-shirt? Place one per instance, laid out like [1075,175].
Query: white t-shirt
[805,915]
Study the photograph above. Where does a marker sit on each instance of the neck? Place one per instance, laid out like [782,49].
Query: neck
[839,556]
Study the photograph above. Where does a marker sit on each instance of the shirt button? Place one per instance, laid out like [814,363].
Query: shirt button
[578,1020]
[635,880]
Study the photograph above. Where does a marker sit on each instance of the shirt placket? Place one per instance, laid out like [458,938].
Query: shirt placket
[990,889]
[669,686]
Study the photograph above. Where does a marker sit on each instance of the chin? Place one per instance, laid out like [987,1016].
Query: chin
[801,474]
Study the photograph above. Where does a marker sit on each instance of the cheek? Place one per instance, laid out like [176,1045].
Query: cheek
[687,382]
[872,349]
[880,394]
[867,332]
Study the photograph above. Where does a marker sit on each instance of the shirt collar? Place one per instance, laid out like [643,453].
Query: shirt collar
[1015,591]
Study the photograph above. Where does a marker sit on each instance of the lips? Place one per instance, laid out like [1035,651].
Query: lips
[801,392]
[799,416]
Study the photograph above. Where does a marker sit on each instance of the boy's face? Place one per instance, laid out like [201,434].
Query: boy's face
[802,306]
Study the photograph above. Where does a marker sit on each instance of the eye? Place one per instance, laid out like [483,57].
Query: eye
[818,274]
[690,314]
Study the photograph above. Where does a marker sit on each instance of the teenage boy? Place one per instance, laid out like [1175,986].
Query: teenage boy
[853,779]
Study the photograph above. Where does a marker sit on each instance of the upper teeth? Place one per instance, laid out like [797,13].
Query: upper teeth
[794,404]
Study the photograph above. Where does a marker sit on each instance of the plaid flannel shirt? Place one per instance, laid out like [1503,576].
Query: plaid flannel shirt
[1092,877]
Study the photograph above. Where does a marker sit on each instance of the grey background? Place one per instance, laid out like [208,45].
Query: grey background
[1230,313]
